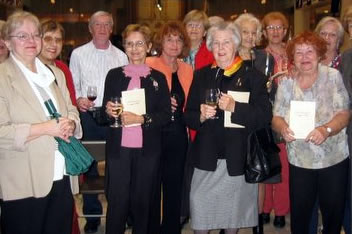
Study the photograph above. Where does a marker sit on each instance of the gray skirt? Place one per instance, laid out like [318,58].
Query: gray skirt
[220,201]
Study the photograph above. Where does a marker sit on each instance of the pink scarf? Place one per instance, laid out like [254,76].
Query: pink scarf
[132,137]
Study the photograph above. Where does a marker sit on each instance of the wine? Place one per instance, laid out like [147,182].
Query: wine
[210,103]
[92,98]
[118,110]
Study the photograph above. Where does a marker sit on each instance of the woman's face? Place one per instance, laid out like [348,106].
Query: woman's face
[25,42]
[195,30]
[350,28]
[52,45]
[275,31]
[223,48]
[248,34]
[305,58]
[172,45]
[329,32]
[136,48]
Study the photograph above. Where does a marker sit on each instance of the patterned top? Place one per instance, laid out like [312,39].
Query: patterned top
[330,96]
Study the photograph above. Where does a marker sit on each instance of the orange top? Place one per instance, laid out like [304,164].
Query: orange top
[184,72]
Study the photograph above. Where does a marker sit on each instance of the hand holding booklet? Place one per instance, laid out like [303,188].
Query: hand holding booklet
[302,118]
[134,101]
[238,97]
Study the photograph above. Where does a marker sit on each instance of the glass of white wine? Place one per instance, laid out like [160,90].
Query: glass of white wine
[212,98]
[118,110]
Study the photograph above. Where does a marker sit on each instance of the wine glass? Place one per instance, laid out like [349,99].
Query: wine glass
[92,95]
[118,110]
[174,96]
[212,98]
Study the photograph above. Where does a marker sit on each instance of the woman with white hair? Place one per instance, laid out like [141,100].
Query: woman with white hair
[331,30]
[251,33]
[220,197]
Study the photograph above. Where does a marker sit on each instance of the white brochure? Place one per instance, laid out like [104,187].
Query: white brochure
[302,118]
[238,97]
[134,101]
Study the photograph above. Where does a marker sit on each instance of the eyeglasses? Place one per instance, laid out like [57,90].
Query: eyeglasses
[327,34]
[27,37]
[104,25]
[49,39]
[225,44]
[194,25]
[274,27]
[137,44]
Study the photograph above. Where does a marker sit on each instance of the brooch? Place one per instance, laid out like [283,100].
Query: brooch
[155,84]
[239,82]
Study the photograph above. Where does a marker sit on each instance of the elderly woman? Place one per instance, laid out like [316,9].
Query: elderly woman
[172,43]
[35,191]
[331,30]
[4,52]
[197,23]
[133,152]
[251,33]
[275,27]
[319,161]
[220,197]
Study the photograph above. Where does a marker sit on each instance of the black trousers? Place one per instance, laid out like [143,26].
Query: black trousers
[329,186]
[51,214]
[92,131]
[131,177]
[170,180]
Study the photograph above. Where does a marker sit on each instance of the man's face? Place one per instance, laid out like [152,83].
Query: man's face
[101,28]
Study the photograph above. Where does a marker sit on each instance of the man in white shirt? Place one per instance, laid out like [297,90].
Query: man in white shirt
[89,65]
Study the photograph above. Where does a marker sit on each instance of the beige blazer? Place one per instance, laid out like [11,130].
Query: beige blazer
[27,169]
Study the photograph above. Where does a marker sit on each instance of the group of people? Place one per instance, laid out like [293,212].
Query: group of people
[180,149]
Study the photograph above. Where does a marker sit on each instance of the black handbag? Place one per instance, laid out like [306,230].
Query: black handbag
[263,159]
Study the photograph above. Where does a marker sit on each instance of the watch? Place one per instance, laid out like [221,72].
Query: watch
[328,129]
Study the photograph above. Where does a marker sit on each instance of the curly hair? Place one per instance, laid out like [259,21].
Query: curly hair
[309,38]
[175,28]
[247,17]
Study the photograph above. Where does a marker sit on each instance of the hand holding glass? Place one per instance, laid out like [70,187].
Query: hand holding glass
[212,98]
[173,108]
[117,110]
[92,95]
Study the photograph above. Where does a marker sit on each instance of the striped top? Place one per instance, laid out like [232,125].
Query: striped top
[89,66]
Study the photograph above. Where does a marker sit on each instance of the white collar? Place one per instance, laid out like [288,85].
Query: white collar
[43,78]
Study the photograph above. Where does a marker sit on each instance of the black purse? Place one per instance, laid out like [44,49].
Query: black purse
[263,159]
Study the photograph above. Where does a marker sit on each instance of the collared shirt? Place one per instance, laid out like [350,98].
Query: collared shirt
[330,96]
[89,66]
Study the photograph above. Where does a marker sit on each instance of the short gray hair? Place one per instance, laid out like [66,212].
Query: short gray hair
[340,29]
[97,14]
[16,20]
[223,26]
[247,17]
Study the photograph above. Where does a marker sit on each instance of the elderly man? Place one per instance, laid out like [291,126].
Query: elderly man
[89,65]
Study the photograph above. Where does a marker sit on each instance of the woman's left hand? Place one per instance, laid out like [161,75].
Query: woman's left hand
[67,128]
[317,136]
[128,118]
[226,103]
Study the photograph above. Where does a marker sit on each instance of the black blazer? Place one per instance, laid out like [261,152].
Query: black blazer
[158,108]
[256,114]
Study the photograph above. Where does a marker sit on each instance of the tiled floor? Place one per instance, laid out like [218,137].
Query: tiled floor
[268,228]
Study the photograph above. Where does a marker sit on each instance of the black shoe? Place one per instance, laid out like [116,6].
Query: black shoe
[222,231]
[91,228]
[279,221]
[266,218]
[184,220]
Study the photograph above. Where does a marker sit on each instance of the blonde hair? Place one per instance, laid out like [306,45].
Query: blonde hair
[197,15]
[247,17]
[16,20]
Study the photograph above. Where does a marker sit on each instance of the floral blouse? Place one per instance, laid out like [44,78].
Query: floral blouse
[330,96]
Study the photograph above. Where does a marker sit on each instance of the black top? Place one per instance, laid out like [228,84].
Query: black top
[179,95]
[213,140]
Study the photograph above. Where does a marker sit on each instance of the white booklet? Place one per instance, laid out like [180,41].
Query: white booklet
[238,97]
[302,118]
[134,101]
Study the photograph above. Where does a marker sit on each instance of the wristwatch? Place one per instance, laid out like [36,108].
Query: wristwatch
[328,129]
